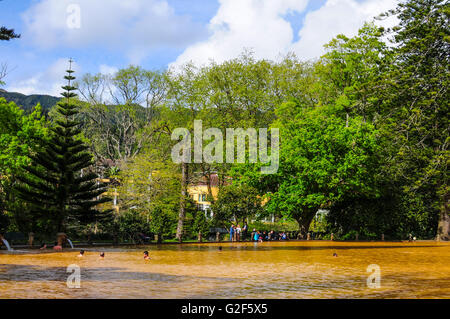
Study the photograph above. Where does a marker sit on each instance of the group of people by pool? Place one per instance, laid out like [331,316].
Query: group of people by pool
[257,236]
[237,233]
[240,234]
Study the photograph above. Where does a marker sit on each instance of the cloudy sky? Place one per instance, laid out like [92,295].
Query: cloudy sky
[105,35]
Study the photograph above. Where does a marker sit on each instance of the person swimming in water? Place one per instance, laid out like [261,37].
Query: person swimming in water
[334,255]
[102,255]
[146,256]
[81,254]
[220,248]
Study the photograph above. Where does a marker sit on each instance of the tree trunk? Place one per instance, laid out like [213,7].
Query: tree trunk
[89,239]
[60,238]
[199,236]
[443,232]
[209,188]
[30,239]
[115,231]
[182,212]
[304,221]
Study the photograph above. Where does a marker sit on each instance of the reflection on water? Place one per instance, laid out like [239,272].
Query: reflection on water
[246,270]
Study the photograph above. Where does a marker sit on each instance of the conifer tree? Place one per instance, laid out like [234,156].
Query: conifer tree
[8,34]
[59,185]
[419,95]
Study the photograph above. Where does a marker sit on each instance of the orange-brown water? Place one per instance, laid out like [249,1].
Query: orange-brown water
[244,270]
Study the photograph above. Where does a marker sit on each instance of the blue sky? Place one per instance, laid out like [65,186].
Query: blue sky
[105,35]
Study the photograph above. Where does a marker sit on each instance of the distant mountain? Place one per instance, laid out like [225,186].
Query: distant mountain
[28,102]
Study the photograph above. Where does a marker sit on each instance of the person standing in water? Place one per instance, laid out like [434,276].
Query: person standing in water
[231,232]
[102,255]
[238,233]
[146,256]
[244,231]
[256,236]
[81,254]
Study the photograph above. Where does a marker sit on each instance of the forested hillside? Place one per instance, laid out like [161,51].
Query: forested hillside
[28,102]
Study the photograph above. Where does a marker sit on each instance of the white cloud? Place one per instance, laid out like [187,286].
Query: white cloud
[336,17]
[134,26]
[106,69]
[47,82]
[261,26]
[238,24]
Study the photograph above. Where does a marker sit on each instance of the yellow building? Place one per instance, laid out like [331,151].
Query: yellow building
[198,191]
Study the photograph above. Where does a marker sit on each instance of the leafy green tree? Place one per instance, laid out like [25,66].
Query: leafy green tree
[131,223]
[58,184]
[238,93]
[369,217]
[184,93]
[351,71]
[238,202]
[150,182]
[200,224]
[149,178]
[417,96]
[121,122]
[323,160]
[162,220]
[20,136]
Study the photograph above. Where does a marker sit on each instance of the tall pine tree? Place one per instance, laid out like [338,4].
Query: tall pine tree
[419,97]
[59,185]
[8,34]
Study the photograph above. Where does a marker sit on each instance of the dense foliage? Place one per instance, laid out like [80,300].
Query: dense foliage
[57,184]
[364,140]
